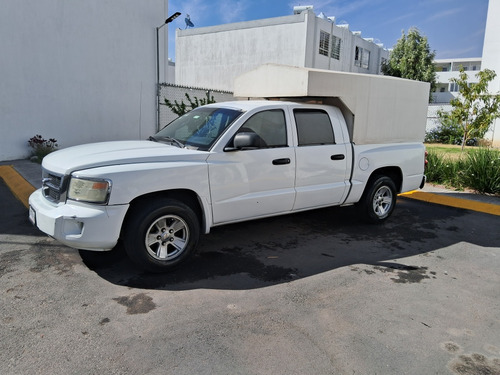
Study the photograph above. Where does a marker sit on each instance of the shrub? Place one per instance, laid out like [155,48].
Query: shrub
[483,171]
[444,170]
[182,108]
[478,169]
[446,132]
[433,171]
[41,147]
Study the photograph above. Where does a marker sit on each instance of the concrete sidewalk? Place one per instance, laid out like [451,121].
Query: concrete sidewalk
[24,176]
[30,171]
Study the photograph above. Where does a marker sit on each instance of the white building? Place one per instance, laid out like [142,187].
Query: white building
[212,57]
[447,69]
[78,71]
[491,58]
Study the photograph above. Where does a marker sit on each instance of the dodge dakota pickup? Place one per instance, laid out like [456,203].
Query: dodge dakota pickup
[218,164]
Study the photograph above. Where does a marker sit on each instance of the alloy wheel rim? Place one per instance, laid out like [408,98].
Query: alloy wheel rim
[167,237]
[382,201]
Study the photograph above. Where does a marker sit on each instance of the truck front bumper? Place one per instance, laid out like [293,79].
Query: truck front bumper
[78,225]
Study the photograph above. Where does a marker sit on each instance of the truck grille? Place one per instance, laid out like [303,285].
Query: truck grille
[53,186]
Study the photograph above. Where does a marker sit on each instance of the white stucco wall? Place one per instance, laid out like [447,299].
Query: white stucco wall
[432,115]
[212,57]
[491,58]
[79,71]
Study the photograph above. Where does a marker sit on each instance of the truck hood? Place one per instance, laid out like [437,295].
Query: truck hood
[94,155]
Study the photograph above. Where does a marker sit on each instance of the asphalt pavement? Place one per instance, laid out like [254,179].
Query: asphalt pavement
[316,292]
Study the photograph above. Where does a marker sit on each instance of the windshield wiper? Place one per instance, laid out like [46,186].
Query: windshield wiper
[168,139]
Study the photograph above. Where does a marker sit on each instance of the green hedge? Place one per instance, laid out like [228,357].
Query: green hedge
[477,169]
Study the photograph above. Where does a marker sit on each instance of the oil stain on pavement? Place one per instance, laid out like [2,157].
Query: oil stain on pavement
[472,364]
[403,274]
[137,304]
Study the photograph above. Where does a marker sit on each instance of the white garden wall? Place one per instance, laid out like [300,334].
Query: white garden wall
[79,71]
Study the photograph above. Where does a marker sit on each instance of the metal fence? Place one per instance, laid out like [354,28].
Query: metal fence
[178,93]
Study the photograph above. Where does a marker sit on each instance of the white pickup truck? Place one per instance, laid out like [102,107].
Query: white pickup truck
[218,164]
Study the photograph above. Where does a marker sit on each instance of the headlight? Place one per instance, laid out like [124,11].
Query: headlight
[89,190]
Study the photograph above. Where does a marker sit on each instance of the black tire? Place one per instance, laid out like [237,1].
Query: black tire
[378,200]
[160,234]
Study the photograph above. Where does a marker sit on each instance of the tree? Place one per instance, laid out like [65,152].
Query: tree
[474,109]
[182,108]
[412,58]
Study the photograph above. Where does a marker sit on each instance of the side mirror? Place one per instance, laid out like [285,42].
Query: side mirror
[245,141]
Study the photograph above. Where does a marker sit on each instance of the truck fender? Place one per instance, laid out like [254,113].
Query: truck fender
[199,205]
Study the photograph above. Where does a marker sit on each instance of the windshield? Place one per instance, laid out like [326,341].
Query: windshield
[198,128]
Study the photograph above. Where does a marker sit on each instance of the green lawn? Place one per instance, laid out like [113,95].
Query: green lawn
[453,151]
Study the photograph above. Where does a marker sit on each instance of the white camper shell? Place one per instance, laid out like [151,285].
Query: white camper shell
[377,109]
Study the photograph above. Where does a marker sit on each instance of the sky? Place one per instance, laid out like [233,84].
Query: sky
[454,28]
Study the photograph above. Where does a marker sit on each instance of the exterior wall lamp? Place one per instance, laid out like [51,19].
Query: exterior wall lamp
[167,21]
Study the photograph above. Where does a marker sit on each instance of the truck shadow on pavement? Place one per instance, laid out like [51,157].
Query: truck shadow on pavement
[267,252]
[13,215]
[277,250]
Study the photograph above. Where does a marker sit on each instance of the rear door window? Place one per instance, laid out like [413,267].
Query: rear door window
[313,127]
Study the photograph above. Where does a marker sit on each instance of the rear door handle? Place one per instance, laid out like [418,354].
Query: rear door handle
[338,157]
[281,161]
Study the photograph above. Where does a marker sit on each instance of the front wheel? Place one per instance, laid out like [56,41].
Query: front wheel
[161,234]
[379,200]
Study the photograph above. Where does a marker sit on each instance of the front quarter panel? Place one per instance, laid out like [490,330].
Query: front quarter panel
[134,180]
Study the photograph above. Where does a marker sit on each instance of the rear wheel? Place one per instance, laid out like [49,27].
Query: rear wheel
[379,200]
[161,234]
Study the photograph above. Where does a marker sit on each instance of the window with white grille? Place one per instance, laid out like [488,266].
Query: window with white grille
[362,57]
[365,59]
[324,43]
[336,44]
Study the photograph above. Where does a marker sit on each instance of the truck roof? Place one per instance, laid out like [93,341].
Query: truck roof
[244,105]
[247,105]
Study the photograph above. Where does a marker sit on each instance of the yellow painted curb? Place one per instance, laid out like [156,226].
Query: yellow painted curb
[21,188]
[466,204]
